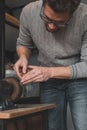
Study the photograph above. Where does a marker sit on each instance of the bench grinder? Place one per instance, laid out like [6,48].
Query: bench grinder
[10,90]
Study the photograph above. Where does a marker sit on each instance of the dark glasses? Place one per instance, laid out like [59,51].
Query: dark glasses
[56,23]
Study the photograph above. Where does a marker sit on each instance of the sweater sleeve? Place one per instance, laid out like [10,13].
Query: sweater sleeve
[79,70]
[24,38]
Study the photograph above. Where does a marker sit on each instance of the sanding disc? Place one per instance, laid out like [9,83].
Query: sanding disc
[17,88]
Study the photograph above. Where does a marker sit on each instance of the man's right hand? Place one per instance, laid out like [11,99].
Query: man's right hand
[21,67]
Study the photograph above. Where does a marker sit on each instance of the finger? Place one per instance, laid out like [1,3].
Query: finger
[32,66]
[36,79]
[24,69]
[30,75]
[17,71]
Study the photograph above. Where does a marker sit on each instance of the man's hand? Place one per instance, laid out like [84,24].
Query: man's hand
[21,67]
[36,74]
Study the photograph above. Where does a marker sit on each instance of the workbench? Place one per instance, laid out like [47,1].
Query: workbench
[23,111]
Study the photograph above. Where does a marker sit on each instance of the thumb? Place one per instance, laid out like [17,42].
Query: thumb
[24,69]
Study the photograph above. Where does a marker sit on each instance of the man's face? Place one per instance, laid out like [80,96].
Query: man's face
[54,21]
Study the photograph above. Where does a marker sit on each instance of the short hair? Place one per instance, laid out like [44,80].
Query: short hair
[62,5]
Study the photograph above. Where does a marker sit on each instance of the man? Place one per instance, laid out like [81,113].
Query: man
[58,28]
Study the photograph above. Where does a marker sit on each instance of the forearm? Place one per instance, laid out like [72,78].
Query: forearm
[60,72]
[75,71]
[40,74]
[23,52]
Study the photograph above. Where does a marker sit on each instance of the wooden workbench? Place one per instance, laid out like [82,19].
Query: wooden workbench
[23,111]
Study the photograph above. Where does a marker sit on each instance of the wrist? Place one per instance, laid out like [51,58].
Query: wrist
[51,69]
[23,57]
[60,72]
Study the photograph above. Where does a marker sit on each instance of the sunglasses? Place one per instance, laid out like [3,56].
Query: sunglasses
[49,21]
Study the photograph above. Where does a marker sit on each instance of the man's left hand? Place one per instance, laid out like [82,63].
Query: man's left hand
[36,74]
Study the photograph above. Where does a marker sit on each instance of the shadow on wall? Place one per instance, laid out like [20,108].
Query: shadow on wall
[84,1]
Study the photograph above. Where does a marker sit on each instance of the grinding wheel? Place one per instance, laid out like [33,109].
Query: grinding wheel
[17,88]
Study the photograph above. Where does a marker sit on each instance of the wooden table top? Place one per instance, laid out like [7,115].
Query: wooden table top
[24,109]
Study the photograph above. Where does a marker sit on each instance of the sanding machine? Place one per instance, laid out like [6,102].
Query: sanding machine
[10,89]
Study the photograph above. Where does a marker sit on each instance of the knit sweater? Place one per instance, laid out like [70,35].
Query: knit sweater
[66,47]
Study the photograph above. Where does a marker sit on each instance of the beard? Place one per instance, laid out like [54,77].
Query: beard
[56,29]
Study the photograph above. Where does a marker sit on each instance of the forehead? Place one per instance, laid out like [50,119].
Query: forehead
[54,15]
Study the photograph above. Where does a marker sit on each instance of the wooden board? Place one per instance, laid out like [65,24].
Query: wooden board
[25,110]
[11,19]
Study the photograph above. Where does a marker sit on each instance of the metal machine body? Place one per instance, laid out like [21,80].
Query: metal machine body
[10,91]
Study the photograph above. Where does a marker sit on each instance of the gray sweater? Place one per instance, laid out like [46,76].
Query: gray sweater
[67,47]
